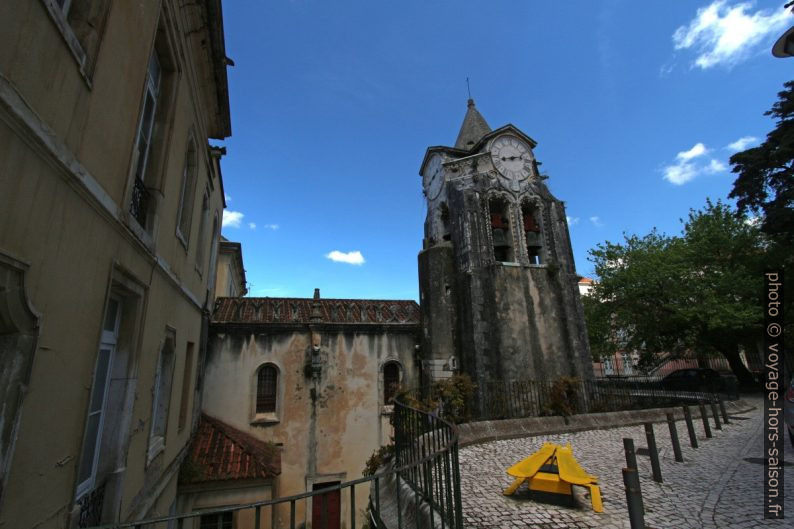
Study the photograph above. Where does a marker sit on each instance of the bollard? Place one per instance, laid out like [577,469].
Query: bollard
[631,480]
[724,412]
[651,438]
[693,439]
[674,438]
[716,415]
[705,419]
[631,455]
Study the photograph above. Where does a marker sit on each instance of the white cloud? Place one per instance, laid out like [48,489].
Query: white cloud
[723,34]
[354,258]
[715,166]
[227,198]
[252,225]
[572,221]
[697,150]
[687,166]
[680,173]
[741,144]
[596,220]
[273,227]
[231,219]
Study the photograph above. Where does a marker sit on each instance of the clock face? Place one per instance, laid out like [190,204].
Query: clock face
[511,157]
[434,177]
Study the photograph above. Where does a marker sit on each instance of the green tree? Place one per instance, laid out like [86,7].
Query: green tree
[698,292]
[765,185]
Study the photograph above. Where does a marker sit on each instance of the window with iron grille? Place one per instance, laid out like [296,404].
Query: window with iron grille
[224,520]
[391,381]
[266,388]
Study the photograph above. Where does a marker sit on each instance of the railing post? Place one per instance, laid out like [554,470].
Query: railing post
[724,412]
[631,455]
[705,418]
[693,440]
[655,467]
[674,438]
[631,481]
[716,415]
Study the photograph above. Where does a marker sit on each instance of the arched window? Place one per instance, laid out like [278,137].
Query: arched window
[531,233]
[266,389]
[500,230]
[391,381]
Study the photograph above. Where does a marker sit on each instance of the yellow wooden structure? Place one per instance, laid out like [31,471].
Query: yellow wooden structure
[554,469]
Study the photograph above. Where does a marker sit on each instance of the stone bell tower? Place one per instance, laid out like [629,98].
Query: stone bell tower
[498,289]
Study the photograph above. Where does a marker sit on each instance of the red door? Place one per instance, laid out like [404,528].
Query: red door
[326,507]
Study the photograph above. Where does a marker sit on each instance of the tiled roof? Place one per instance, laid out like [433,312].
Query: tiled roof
[586,281]
[219,452]
[299,310]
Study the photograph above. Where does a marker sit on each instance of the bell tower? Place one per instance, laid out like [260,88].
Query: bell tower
[498,289]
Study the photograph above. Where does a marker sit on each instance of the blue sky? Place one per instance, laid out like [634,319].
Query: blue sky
[634,106]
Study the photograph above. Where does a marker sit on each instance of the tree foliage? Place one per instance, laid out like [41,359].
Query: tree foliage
[697,293]
[765,185]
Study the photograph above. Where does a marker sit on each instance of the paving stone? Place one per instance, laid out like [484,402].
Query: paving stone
[713,487]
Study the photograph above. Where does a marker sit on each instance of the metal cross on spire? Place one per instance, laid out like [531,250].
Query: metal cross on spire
[468,87]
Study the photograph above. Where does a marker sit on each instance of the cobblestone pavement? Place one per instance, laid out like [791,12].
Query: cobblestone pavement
[715,487]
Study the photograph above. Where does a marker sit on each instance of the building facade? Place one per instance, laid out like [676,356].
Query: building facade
[111,200]
[313,377]
[498,289]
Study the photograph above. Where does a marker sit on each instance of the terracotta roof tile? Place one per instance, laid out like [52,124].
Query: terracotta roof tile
[220,452]
[299,310]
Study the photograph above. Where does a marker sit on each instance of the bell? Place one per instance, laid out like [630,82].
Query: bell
[533,238]
[499,237]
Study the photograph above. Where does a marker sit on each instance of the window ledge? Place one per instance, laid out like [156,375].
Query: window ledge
[182,239]
[76,49]
[263,419]
[508,263]
[156,447]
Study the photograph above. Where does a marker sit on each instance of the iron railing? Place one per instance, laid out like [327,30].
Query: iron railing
[426,460]
[426,454]
[497,400]
[140,202]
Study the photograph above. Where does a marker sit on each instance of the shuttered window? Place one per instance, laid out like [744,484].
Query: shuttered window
[266,387]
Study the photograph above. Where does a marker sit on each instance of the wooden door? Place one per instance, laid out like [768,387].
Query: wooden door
[326,507]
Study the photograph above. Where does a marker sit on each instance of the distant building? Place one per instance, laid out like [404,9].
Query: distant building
[111,203]
[230,279]
[496,274]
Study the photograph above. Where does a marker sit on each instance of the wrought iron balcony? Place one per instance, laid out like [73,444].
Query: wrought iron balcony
[91,507]
[139,202]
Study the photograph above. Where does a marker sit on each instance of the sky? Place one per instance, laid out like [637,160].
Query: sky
[636,108]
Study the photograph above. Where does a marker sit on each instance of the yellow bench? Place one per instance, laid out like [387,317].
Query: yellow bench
[569,472]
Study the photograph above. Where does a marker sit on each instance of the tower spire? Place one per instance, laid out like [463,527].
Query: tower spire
[473,128]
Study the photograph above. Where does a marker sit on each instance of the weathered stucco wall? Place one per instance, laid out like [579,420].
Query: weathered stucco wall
[327,423]
[68,138]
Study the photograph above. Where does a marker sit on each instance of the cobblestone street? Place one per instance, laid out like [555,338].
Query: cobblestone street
[715,487]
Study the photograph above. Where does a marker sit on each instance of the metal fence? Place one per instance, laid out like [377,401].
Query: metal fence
[426,460]
[535,398]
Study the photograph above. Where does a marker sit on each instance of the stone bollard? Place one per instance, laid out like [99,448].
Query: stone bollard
[693,439]
[654,453]
[631,480]
[674,438]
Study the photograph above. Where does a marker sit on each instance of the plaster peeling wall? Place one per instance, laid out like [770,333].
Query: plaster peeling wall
[328,424]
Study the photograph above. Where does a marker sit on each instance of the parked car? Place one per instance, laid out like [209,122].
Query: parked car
[694,379]
[790,410]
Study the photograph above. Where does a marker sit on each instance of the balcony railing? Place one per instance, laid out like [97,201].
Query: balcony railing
[139,202]
[91,507]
